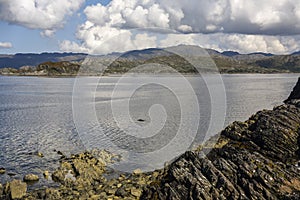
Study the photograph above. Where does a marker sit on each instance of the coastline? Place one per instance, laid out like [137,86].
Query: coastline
[143,74]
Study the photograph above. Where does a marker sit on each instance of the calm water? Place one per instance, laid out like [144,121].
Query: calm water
[36,114]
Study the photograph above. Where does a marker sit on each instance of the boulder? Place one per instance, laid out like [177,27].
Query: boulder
[16,189]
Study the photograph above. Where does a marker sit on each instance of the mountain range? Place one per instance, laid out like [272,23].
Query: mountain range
[227,62]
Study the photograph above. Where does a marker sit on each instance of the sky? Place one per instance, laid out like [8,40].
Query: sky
[105,26]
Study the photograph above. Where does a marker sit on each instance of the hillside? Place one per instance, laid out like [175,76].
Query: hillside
[30,59]
[117,63]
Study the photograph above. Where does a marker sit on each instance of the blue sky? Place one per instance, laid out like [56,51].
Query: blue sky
[103,26]
[29,40]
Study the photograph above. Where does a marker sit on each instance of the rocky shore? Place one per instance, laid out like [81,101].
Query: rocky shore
[255,159]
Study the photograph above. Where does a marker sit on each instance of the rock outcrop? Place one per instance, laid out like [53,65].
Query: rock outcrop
[258,160]
[295,93]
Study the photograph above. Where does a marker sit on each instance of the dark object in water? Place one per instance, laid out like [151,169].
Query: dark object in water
[11,174]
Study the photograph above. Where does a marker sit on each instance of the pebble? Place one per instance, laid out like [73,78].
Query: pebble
[137,171]
[39,154]
[46,174]
[136,192]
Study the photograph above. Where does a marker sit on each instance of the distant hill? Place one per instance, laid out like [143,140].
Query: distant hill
[55,64]
[30,59]
[230,53]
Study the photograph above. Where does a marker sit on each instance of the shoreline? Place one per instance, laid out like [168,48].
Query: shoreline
[146,74]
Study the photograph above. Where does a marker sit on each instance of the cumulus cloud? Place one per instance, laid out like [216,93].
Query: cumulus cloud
[201,16]
[47,33]
[47,15]
[246,26]
[5,45]
[237,42]
[104,40]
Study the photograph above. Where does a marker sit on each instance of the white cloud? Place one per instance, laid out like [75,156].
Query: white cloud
[236,42]
[5,45]
[245,26]
[68,46]
[47,33]
[177,39]
[201,16]
[103,40]
[97,14]
[47,15]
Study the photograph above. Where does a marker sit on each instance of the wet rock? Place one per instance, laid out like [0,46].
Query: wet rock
[295,94]
[120,192]
[46,174]
[136,192]
[31,178]
[1,190]
[58,176]
[11,174]
[137,171]
[52,194]
[16,189]
[2,170]
[39,154]
[95,197]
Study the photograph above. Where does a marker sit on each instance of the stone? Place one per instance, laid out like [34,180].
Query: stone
[95,197]
[1,190]
[137,171]
[46,174]
[16,189]
[58,176]
[136,192]
[39,154]
[51,193]
[31,177]
[2,170]
[121,192]
[111,191]
[11,174]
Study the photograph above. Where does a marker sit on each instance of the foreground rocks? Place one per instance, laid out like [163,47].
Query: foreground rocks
[255,159]
[85,176]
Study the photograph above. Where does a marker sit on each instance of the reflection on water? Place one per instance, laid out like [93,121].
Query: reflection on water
[36,113]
